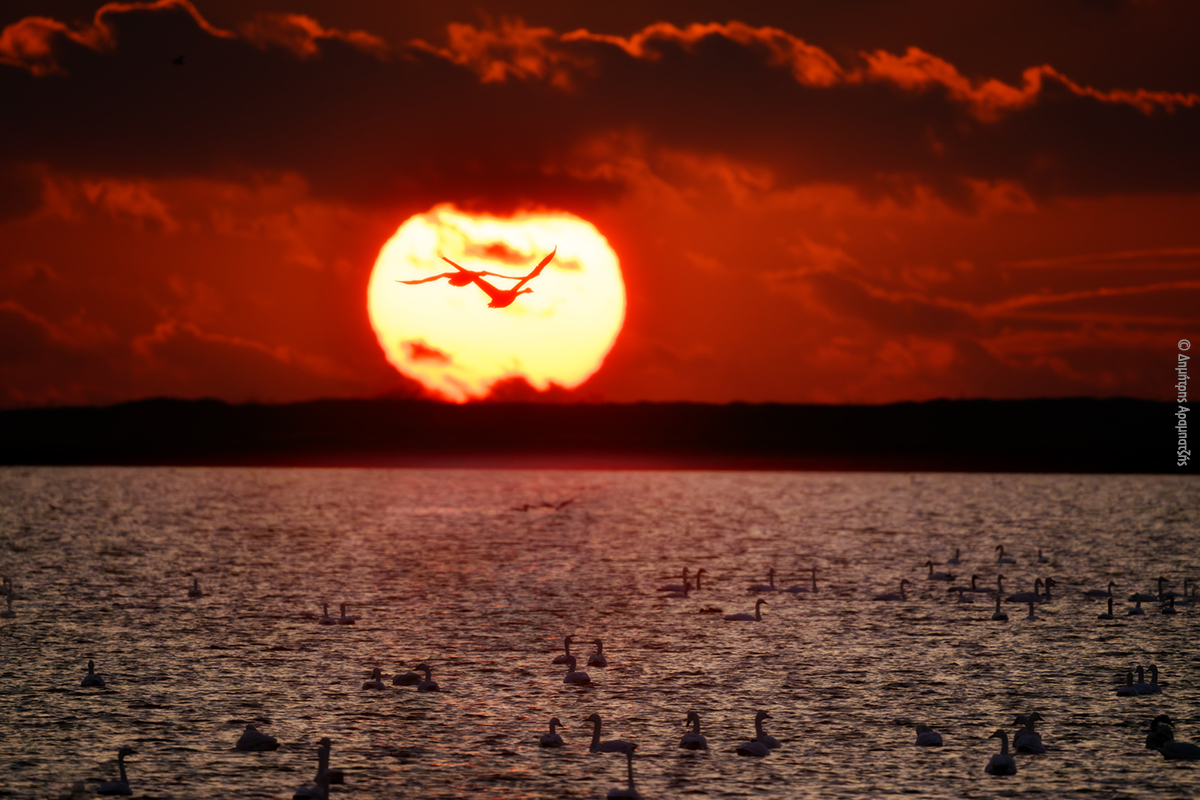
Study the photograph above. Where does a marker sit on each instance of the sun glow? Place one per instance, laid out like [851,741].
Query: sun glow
[447,338]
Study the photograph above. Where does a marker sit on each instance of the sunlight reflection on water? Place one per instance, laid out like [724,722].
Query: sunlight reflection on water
[438,567]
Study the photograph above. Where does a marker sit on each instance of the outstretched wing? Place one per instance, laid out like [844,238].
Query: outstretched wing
[427,280]
[537,270]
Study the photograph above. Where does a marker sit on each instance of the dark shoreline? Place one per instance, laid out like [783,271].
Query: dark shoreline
[1083,435]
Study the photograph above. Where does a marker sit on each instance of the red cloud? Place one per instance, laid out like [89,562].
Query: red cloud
[300,35]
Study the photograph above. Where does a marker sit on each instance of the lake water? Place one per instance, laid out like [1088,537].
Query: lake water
[441,567]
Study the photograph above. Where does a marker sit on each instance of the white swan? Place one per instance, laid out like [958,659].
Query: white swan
[799,589]
[1107,614]
[928,737]
[597,658]
[551,739]
[574,676]
[1001,558]
[567,651]
[345,619]
[92,679]
[761,744]
[1127,689]
[755,617]
[892,595]
[955,560]
[769,586]
[999,616]
[325,618]
[376,681]
[195,591]
[692,740]
[610,746]
[255,741]
[409,678]
[120,786]
[1027,740]
[1002,763]
[630,792]
[429,684]
[1101,592]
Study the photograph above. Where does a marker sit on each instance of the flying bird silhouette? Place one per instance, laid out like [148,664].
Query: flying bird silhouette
[500,298]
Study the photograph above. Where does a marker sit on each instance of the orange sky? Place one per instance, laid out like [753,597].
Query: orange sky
[810,204]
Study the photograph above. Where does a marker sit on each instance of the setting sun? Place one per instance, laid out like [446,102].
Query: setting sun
[447,337]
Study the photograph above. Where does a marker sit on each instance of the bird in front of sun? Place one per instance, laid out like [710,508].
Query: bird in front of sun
[500,298]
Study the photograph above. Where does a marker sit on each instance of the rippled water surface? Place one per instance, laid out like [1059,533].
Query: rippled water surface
[440,566]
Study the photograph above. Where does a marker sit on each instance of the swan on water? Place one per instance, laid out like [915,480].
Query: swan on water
[1027,740]
[551,739]
[769,586]
[255,741]
[1101,592]
[761,744]
[677,587]
[1155,687]
[928,737]
[344,619]
[805,588]
[120,786]
[610,746]
[692,740]
[955,560]
[325,618]
[1169,606]
[893,595]
[1160,732]
[937,576]
[92,679]
[562,659]
[376,681]
[1142,686]
[755,617]
[1127,689]
[1026,597]
[8,612]
[630,792]
[1001,763]
[1180,751]
[1107,614]
[195,591]
[597,658]
[1031,615]
[319,789]
[999,616]
[1001,558]
[964,594]
[1041,558]
[574,676]
[409,678]
[1136,611]
[429,684]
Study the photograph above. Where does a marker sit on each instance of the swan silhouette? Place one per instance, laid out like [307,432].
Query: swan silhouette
[429,684]
[610,746]
[761,744]
[120,786]
[630,792]
[937,576]
[376,681]
[1041,559]
[999,616]
[1137,610]
[1001,763]
[597,658]
[92,679]
[319,790]
[1001,558]
[195,591]
[892,595]
[1127,689]
[255,741]
[409,678]
[955,560]
[325,618]
[344,619]
[769,586]
[692,740]
[928,737]
[1026,597]
[551,739]
[1101,592]
[566,647]
[800,589]
[499,298]
[1027,740]
[677,587]
[1107,614]
[1160,732]
[576,677]
[755,617]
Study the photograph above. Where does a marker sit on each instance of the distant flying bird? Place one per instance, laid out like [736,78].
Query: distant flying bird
[500,298]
